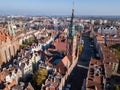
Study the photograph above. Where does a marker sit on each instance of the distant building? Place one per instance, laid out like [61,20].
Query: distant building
[55,22]
[9,47]
[107,30]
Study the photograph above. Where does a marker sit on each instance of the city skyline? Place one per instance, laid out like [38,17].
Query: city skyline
[61,7]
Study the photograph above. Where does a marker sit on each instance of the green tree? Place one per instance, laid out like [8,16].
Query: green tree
[42,38]
[80,48]
[116,48]
[40,76]
[23,46]
[96,22]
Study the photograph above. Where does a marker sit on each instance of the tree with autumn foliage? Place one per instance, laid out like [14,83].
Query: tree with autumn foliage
[40,76]
[80,48]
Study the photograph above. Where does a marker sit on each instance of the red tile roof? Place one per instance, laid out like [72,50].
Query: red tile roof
[4,36]
[109,58]
[63,65]
[61,46]
[13,83]
[100,38]
[94,79]
[50,85]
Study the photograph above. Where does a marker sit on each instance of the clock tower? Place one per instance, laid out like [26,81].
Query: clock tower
[72,38]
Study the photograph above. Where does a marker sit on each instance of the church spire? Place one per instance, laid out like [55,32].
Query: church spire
[9,28]
[71,31]
[13,31]
[73,8]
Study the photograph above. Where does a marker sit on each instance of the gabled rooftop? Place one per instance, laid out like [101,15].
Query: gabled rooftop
[95,75]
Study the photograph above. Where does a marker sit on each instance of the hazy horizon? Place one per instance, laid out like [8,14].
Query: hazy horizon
[61,7]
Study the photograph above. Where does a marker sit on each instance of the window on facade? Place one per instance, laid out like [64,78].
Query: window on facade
[5,55]
[14,49]
[9,52]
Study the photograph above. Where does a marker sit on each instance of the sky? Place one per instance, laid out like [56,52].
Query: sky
[59,7]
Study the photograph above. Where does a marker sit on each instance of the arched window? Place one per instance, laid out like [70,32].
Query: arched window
[9,52]
[14,49]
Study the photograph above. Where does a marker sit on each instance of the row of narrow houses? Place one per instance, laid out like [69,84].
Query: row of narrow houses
[25,64]
[103,73]
[95,75]
[10,44]
[28,59]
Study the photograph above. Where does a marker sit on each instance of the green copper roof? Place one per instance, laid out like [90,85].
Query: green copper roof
[9,29]
[72,27]
[13,31]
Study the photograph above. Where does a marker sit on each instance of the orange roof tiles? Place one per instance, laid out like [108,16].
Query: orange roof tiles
[109,59]
[4,36]
[108,70]
[13,83]
[100,38]
[98,79]
[52,85]
[63,65]
[4,74]
[61,46]
[66,61]
[94,81]
[108,55]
